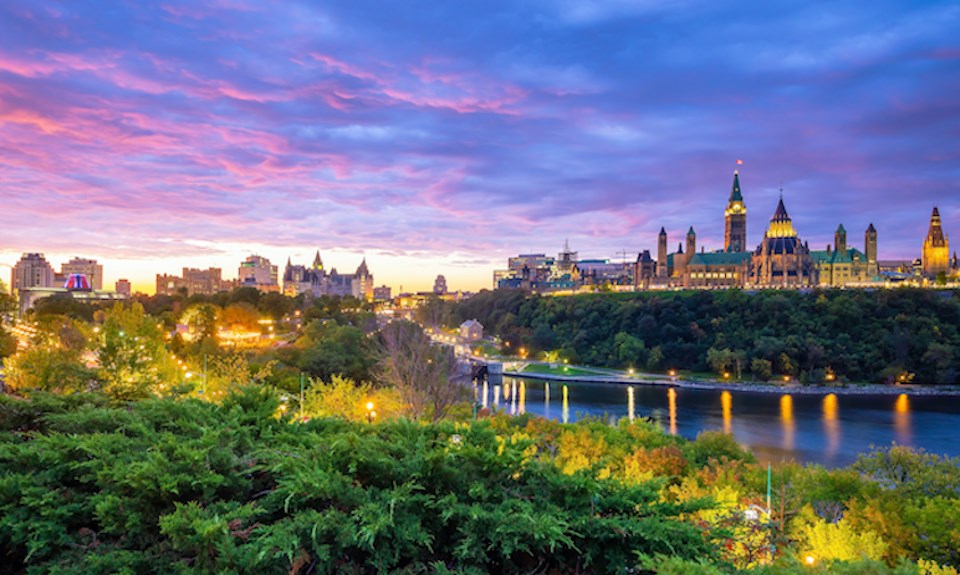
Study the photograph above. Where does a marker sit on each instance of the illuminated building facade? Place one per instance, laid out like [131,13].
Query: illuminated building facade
[316,281]
[32,270]
[735,231]
[566,272]
[257,271]
[193,281]
[782,259]
[936,248]
[90,268]
[440,285]
[844,266]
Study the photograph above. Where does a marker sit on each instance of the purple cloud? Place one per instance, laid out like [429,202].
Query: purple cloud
[478,129]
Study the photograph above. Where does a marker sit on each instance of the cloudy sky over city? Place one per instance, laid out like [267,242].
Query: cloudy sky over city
[442,137]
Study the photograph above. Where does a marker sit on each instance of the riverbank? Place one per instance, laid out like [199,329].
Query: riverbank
[793,389]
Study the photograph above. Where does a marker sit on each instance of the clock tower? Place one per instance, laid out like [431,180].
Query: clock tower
[735,237]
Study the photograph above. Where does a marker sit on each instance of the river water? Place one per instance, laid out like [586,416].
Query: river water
[830,430]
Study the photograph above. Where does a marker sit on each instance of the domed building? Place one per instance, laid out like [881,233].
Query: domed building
[782,259]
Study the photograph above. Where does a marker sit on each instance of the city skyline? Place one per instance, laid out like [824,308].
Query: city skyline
[195,134]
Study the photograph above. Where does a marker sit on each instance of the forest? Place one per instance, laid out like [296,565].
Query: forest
[815,336]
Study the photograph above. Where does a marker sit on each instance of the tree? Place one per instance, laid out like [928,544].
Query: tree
[47,367]
[343,397]
[231,372]
[240,316]
[839,541]
[721,360]
[8,343]
[202,320]
[275,305]
[762,369]
[329,349]
[428,377]
[629,350]
[134,361]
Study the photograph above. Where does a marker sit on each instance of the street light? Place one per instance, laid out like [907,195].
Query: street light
[371,414]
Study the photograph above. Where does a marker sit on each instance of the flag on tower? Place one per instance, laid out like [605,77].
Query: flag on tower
[739,162]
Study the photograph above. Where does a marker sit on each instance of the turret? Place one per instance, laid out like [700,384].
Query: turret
[691,243]
[662,254]
[936,248]
[840,240]
[870,245]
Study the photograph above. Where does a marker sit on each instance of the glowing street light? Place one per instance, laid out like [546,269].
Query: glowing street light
[371,414]
[809,560]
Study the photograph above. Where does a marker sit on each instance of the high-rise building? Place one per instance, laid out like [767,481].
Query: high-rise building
[32,270]
[87,267]
[122,287]
[193,281]
[382,293]
[735,236]
[440,285]
[936,248]
[257,271]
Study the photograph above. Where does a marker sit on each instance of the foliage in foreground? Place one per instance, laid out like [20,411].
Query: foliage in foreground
[163,486]
[89,485]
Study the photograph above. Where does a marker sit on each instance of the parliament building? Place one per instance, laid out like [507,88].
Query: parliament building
[781,260]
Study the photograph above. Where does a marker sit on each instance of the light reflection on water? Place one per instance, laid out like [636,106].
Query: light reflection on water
[786,417]
[831,430]
[831,426]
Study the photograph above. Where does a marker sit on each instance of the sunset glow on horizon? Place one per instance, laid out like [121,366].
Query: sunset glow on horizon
[442,138]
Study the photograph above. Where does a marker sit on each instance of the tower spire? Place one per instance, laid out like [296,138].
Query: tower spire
[735,233]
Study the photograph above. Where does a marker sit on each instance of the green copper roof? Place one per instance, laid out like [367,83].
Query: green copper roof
[834,257]
[720,259]
[735,195]
[691,232]
[841,230]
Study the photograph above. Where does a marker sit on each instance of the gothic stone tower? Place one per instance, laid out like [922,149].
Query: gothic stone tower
[936,248]
[870,245]
[735,237]
[840,240]
[662,270]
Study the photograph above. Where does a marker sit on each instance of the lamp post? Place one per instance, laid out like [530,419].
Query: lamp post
[301,396]
[371,414]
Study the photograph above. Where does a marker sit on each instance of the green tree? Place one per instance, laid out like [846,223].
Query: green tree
[47,367]
[762,369]
[629,350]
[329,349]
[8,343]
[134,361]
[202,318]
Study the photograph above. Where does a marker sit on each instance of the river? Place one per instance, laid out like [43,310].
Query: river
[829,430]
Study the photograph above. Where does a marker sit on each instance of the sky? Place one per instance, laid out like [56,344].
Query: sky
[443,137]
